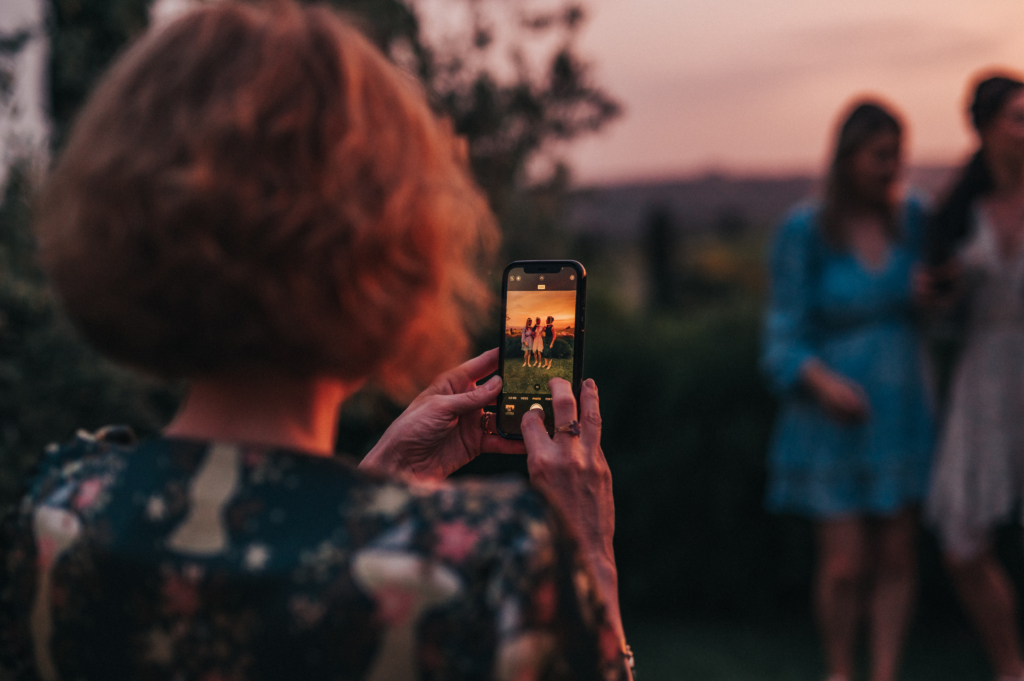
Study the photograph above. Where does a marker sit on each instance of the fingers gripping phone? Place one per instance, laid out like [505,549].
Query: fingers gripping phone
[542,309]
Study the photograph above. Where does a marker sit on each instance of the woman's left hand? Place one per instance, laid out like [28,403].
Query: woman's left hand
[442,430]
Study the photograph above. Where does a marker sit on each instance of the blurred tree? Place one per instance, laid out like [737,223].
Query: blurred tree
[85,36]
[659,253]
[506,73]
[51,383]
[731,224]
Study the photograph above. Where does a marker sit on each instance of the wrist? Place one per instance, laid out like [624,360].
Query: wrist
[607,577]
[815,376]
[381,459]
[606,573]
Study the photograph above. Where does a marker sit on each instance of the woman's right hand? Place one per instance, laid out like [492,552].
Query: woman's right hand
[842,399]
[574,475]
[571,470]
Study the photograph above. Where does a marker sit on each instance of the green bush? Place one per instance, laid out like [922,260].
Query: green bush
[513,346]
[686,420]
[51,382]
[562,348]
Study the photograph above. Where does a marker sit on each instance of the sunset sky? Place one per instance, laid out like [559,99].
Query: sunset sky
[756,85]
[559,304]
[740,86]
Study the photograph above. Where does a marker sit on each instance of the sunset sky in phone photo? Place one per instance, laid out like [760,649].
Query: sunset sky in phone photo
[529,304]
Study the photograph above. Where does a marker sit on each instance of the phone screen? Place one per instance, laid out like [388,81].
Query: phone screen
[540,339]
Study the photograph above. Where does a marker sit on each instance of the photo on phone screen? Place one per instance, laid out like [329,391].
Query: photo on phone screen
[542,304]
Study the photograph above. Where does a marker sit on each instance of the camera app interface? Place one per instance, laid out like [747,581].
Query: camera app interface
[540,326]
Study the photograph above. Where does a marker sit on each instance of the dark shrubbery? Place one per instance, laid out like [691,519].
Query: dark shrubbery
[562,348]
[513,346]
[686,420]
[51,383]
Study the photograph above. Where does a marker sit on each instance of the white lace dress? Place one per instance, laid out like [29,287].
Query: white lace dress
[979,472]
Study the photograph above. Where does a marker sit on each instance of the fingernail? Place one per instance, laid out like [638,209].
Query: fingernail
[590,383]
[493,381]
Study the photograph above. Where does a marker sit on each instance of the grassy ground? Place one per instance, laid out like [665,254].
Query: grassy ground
[785,652]
[520,379]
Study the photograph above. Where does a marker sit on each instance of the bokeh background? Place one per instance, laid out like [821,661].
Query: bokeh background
[656,141]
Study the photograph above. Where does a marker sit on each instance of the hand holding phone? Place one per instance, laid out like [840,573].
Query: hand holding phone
[543,304]
[442,431]
[573,473]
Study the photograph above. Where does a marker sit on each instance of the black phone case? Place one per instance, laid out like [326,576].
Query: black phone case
[578,338]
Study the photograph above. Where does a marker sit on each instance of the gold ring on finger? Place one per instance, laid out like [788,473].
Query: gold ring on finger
[485,424]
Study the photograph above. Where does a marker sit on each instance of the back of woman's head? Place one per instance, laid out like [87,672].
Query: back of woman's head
[952,221]
[866,120]
[258,187]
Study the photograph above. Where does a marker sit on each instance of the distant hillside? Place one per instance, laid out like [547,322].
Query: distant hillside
[711,202]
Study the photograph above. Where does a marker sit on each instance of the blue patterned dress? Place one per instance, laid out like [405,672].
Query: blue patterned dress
[825,304]
[184,560]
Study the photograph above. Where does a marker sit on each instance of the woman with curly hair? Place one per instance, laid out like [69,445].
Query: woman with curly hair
[256,201]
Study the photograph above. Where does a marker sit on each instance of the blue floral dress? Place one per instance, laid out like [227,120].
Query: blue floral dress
[186,560]
[826,305]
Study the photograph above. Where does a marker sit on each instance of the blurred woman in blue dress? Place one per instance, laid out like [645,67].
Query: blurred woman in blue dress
[852,445]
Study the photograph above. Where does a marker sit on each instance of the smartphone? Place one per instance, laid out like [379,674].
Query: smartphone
[542,310]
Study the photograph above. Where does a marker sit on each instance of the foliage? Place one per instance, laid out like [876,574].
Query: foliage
[85,36]
[561,348]
[507,75]
[686,419]
[513,346]
[51,383]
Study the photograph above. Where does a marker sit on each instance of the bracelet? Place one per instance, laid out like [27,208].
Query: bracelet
[627,656]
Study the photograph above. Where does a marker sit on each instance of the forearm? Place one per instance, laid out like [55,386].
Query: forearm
[813,374]
[608,586]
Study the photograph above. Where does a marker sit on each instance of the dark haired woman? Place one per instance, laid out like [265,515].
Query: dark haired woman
[549,340]
[977,245]
[852,444]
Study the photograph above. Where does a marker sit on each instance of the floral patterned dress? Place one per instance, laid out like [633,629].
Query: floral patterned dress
[175,559]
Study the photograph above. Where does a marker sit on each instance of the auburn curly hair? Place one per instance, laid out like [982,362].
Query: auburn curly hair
[259,187]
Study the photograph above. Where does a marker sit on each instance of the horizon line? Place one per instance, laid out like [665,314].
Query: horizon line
[733,173]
